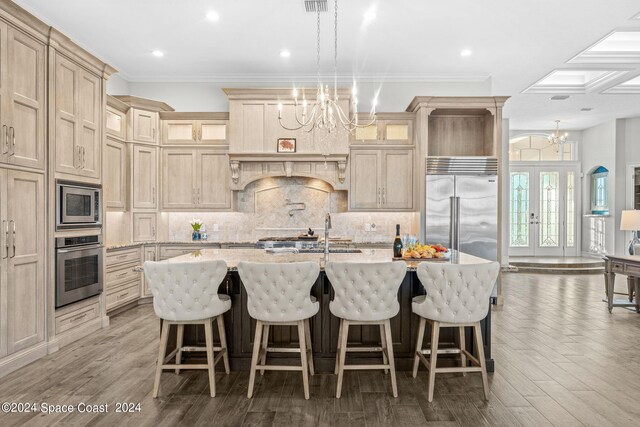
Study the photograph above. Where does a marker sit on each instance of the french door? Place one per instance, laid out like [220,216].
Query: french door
[543,216]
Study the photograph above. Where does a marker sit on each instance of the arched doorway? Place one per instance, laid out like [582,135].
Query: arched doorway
[543,197]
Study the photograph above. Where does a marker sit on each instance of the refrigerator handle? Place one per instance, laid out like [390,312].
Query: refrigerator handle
[457,224]
[452,222]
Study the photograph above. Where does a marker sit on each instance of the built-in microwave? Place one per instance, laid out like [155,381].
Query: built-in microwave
[78,205]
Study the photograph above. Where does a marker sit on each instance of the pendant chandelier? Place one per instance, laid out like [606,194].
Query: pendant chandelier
[325,112]
[557,138]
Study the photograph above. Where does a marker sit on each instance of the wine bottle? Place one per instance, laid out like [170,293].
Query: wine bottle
[397,243]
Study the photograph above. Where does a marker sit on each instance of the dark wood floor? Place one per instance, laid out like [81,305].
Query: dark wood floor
[561,360]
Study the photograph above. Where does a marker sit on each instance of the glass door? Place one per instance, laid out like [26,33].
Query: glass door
[542,210]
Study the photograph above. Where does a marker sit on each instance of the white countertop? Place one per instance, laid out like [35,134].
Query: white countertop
[233,256]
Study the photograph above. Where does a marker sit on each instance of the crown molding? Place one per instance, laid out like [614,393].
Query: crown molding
[144,103]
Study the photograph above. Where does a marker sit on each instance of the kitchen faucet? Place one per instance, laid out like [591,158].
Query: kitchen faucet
[327,227]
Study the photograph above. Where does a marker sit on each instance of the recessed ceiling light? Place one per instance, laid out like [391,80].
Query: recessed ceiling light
[559,97]
[285,54]
[586,109]
[465,52]
[158,53]
[370,15]
[213,16]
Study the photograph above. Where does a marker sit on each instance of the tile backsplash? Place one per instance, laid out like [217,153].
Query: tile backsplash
[288,206]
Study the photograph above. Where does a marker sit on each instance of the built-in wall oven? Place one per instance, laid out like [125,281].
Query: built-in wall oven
[78,268]
[78,205]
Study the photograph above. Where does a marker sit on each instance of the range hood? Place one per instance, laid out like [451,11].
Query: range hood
[249,167]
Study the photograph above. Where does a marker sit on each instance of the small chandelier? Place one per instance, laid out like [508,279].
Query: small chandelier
[557,138]
[325,112]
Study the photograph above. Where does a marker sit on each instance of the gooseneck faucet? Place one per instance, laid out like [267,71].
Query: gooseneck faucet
[327,227]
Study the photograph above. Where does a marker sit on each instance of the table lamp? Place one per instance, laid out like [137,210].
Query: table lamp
[630,221]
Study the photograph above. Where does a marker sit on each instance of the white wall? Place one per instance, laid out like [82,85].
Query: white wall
[200,96]
[116,85]
[598,148]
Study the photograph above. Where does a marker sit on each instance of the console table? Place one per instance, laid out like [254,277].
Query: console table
[629,265]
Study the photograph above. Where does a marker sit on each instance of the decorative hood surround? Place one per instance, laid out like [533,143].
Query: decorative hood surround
[254,131]
[249,167]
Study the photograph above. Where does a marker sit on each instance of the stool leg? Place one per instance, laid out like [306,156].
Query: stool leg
[265,344]
[463,345]
[179,340]
[483,362]
[630,287]
[433,358]
[344,334]
[307,335]
[338,348]
[164,337]
[392,366]
[303,358]
[208,338]
[254,357]
[383,344]
[223,343]
[416,358]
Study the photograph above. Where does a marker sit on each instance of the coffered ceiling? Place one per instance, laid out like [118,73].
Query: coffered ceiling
[530,50]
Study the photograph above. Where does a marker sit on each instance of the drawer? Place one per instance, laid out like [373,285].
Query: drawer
[67,319]
[617,267]
[122,294]
[123,273]
[167,252]
[632,270]
[121,256]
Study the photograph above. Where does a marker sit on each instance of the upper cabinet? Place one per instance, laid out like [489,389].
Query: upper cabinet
[116,118]
[22,92]
[115,174]
[255,127]
[194,128]
[460,126]
[78,119]
[388,129]
[145,176]
[143,119]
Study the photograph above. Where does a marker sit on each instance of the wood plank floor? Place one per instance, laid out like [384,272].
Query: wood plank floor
[561,360]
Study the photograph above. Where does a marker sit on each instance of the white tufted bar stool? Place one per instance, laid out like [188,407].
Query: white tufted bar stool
[365,294]
[279,294]
[457,296]
[187,294]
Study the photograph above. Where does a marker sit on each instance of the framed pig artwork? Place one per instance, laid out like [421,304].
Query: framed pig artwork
[286,145]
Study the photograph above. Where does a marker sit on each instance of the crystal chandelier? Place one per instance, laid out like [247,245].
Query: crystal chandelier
[557,138]
[325,112]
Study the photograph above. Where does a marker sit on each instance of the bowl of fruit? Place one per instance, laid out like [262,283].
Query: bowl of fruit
[419,251]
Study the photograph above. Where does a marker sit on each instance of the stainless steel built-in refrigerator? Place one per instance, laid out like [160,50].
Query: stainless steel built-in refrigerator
[462,204]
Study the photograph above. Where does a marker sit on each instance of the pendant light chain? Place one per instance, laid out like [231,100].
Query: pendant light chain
[335,50]
[318,51]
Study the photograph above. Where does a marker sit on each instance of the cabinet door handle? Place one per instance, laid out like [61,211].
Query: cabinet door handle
[13,141]
[153,231]
[193,135]
[227,285]
[84,158]
[6,238]
[154,195]
[5,131]
[384,196]
[13,237]
[193,196]
[198,195]
[379,196]
[153,133]
[77,161]
[200,135]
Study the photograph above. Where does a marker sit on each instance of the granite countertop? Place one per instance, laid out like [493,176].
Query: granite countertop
[123,245]
[234,256]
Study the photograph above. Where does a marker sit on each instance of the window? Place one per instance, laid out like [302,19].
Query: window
[537,148]
[600,191]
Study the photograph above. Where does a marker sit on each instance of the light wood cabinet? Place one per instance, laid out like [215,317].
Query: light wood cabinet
[115,120]
[195,179]
[150,253]
[145,171]
[78,119]
[381,179]
[176,132]
[22,95]
[22,243]
[389,129]
[115,174]
[144,126]
[144,227]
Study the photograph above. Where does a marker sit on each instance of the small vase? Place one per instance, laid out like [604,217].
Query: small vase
[196,235]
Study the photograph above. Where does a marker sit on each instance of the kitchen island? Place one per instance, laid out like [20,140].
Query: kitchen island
[240,327]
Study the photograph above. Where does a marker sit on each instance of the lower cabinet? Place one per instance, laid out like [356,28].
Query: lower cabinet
[122,283]
[75,315]
[149,253]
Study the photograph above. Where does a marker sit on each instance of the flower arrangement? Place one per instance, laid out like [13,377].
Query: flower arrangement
[196,224]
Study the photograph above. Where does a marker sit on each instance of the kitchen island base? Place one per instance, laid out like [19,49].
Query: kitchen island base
[240,330]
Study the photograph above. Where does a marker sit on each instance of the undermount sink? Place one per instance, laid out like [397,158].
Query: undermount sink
[331,251]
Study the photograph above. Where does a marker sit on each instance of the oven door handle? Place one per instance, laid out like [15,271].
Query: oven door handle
[80,248]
